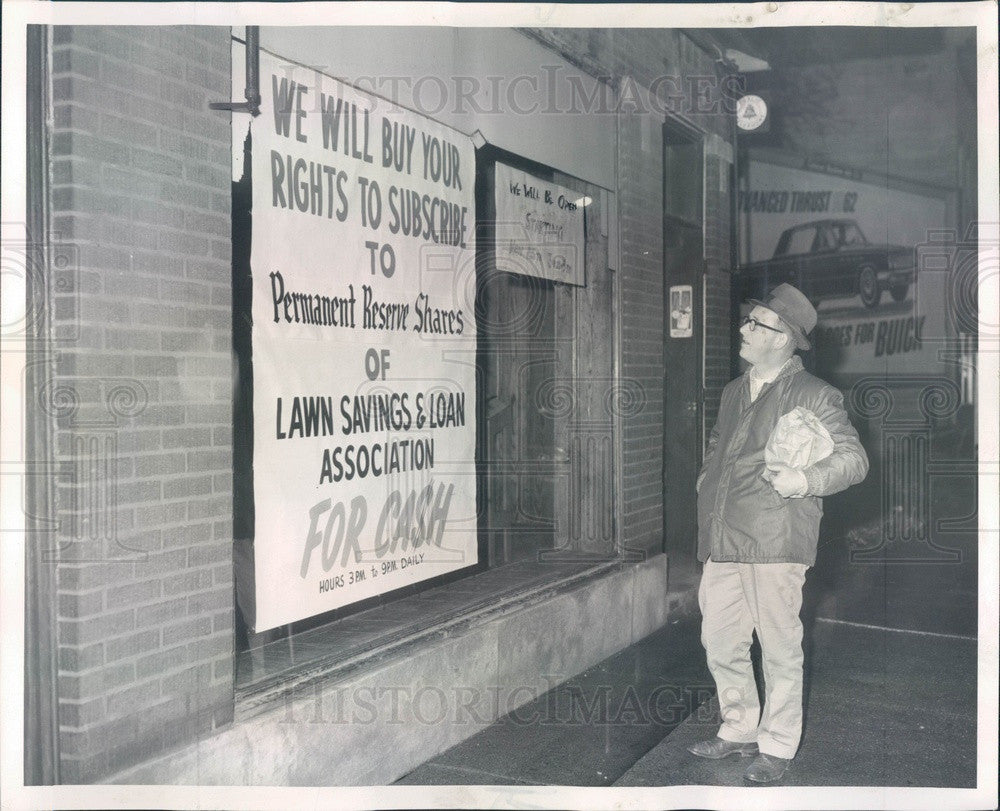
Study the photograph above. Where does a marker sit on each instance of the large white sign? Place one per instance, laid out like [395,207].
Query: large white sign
[364,339]
[539,227]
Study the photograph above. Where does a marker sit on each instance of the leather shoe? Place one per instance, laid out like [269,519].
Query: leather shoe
[767,768]
[719,748]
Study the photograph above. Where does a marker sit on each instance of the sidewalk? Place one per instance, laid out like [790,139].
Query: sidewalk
[883,708]
[590,730]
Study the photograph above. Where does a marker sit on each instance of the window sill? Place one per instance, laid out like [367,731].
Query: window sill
[336,650]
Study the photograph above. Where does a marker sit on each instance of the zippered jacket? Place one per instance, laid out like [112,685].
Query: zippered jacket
[741,517]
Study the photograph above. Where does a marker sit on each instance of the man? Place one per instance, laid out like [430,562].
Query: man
[757,533]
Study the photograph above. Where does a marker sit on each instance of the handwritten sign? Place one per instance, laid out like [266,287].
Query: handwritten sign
[539,227]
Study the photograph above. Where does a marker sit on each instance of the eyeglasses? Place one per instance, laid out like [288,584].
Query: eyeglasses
[754,323]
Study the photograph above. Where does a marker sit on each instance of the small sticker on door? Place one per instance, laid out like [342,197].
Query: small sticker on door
[681,311]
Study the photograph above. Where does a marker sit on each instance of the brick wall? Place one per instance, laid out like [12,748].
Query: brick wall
[142,396]
[718,270]
[640,192]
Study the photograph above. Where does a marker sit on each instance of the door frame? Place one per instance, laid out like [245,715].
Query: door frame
[679,132]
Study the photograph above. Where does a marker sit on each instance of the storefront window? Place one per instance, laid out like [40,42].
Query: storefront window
[543,470]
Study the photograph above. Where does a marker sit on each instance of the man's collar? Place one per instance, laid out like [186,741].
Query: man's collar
[790,366]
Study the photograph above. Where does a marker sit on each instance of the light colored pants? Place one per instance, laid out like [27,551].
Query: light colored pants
[735,599]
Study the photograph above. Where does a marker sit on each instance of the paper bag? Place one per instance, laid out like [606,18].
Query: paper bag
[799,440]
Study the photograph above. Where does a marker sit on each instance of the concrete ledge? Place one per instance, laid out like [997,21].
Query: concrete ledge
[376,723]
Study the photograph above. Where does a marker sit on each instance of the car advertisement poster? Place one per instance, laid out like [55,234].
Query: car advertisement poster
[854,248]
[363,346]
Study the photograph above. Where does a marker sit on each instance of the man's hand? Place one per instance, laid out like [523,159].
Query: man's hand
[787,482]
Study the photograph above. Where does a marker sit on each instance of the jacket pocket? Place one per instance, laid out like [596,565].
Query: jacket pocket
[771,498]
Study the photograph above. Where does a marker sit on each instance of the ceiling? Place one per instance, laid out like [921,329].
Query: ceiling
[791,47]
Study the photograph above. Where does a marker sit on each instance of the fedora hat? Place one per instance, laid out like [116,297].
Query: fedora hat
[793,308]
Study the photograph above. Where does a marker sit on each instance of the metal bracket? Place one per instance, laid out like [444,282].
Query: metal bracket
[252,92]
